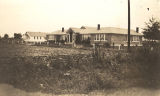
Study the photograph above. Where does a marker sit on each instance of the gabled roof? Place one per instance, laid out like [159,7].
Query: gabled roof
[58,32]
[110,30]
[37,34]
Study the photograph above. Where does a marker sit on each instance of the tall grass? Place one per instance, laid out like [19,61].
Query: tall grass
[82,73]
[79,73]
[147,63]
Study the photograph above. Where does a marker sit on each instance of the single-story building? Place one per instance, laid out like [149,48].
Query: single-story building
[57,36]
[111,35]
[35,37]
[96,35]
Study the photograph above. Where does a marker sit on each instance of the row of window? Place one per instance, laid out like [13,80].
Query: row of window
[56,37]
[37,37]
[97,37]
[100,37]
[103,37]
[133,38]
[85,37]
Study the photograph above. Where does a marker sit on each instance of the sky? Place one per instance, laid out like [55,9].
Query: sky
[20,16]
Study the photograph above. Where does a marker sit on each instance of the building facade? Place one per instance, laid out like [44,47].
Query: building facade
[57,37]
[35,37]
[96,35]
[111,35]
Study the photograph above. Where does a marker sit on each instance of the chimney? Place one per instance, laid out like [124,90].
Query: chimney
[137,29]
[62,29]
[98,27]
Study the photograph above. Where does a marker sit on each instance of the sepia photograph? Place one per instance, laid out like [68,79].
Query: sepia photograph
[79,47]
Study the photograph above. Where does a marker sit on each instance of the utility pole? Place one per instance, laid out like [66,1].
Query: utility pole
[129,25]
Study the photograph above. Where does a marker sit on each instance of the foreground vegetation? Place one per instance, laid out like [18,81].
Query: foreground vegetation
[61,70]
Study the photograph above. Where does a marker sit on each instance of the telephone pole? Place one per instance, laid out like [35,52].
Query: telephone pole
[129,26]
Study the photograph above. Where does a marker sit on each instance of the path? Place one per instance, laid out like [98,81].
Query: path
[7,90]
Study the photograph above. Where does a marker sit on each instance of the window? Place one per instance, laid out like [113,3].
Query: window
[132,38]
[85,37]
[135,38]
[97,36]
[106,37]
[101,36]
[126,37]
[82,37]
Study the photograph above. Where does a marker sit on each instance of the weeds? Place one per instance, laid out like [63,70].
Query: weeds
[81,73]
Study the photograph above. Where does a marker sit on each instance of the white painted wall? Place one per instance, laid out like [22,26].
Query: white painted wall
[34,40]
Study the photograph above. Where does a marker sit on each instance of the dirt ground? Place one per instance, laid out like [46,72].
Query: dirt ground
[8,90]
[14,50]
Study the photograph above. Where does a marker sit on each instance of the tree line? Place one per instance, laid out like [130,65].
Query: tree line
[16,36]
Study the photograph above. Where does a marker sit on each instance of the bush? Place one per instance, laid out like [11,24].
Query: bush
[78,39]
[86,42]
[62,41]
[107,45]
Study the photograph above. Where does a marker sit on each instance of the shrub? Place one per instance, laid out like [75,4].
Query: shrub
[62,41]
[107,45]
[78,39]
[86,42]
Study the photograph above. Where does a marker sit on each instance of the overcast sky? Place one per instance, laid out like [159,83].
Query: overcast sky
[19,16]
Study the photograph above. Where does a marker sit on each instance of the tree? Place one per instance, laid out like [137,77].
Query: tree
[152,30]
[78,39]
[6,36]
[17,36]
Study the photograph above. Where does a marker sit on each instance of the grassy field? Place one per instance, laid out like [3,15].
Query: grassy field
[74,71]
